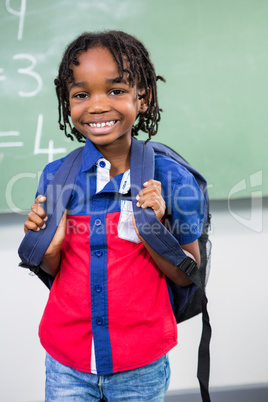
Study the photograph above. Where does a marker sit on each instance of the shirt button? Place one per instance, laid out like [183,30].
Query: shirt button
[97,222]
[98,253]
[98,288]
[102,164]
[99,321]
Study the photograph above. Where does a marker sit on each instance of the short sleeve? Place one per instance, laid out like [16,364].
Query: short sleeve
[185,203]
[47,175]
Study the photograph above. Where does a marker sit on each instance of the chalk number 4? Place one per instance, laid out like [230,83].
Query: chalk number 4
[29,71]
[50,151]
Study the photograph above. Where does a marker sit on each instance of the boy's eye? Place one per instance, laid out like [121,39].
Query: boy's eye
[117,92]
[81,95]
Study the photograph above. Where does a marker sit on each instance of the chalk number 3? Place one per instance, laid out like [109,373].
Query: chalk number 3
[29,71]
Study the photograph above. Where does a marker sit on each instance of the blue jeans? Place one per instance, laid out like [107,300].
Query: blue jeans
[148,383]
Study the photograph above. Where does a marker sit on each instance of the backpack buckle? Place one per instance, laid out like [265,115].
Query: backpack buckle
[188,265]
[32,268]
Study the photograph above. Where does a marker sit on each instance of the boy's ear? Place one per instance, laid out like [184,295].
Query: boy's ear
[144,101]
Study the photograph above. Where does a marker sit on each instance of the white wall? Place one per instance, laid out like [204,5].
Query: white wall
[237,292]
[238,304]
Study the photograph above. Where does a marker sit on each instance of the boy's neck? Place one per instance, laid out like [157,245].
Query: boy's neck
[118,154]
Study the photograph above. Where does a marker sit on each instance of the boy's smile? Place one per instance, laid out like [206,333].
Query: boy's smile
[103,108]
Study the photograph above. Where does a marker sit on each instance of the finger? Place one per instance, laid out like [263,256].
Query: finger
[156,203]
[37,207]
[152,187]
[159,208]
[152,182]
[29,225]
[152,202]
[40,199]
[38,210]
[159,211]
[150,195]
[149,192]
[37,220]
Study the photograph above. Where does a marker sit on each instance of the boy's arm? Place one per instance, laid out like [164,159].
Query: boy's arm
[151,197]
[37,221]
[169,269]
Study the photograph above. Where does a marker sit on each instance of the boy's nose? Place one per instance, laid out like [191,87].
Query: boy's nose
[98,104]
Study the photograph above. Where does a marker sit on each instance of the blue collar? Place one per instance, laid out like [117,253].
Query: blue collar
[90,156]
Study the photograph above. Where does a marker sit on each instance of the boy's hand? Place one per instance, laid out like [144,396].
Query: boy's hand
[37,221]
[37,217]
[151,197]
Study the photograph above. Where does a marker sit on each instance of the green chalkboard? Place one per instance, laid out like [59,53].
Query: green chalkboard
[212,53]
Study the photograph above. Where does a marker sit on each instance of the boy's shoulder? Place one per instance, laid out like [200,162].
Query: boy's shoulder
[169,169]
[49,172]
[52,167]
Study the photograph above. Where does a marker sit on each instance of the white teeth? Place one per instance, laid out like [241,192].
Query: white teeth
[107,123]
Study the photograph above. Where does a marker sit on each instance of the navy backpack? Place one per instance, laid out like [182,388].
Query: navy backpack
[187,301]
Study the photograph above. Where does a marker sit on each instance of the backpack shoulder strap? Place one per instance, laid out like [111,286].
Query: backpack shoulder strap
[158,237]
[165,244]
[35,244]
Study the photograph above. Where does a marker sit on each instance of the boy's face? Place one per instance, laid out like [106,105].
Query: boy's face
[102,109]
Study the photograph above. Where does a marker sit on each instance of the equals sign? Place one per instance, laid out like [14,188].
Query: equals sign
[10,144]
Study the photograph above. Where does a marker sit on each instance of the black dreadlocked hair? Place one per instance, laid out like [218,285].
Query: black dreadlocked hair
[139,69]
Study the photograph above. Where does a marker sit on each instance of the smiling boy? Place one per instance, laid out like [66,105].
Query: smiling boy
[108,323]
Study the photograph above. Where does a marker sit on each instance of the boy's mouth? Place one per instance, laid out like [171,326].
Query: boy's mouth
[103,124]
